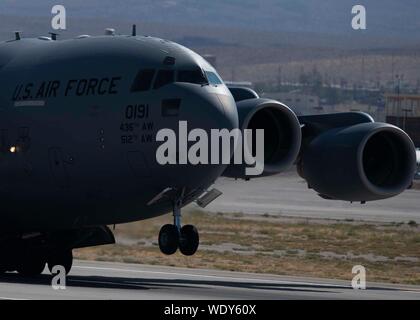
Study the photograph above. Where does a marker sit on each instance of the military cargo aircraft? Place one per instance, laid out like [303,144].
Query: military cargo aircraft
[78,125]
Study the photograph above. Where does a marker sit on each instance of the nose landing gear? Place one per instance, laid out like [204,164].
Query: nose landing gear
[168,239]
[189,240]
[173,236]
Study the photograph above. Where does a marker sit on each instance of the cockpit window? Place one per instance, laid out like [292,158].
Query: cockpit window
[143,80]
[163,78]
[213,78]
[192,76]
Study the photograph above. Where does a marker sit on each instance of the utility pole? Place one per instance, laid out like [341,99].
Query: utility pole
[392,68]
[398,89]
[363,70]
[405,116]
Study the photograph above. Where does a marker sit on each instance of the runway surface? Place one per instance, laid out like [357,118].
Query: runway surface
[101,280]
[288,195]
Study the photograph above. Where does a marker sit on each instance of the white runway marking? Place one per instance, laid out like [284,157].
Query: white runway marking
[7,298]
[97,280]
[215,277]
[411,291]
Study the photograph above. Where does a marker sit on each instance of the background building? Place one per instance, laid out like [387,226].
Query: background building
[301,104]
[404,111]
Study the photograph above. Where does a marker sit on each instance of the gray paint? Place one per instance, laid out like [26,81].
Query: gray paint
[76,171]
[71,169]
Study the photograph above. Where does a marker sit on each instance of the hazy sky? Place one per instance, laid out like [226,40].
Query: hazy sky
[384,17]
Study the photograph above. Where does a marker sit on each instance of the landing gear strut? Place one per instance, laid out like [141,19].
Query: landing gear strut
[173,236]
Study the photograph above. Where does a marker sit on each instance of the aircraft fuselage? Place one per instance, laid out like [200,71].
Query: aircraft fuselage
[77,133]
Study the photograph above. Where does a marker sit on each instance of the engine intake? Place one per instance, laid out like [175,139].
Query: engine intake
[282,134]
[363,162]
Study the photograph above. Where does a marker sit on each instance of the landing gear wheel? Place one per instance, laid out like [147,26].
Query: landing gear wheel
[61,258]
[32,264]
[168,239]
[189,240]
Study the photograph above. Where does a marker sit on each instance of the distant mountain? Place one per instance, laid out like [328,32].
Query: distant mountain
[310,27]
[385,17]
[255,40]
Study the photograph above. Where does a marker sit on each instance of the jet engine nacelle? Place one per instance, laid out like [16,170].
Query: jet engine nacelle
[361,162]
[282,135]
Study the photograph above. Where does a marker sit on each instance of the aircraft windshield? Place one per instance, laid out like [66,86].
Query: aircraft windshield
[143,80]
[192,76]
[163,78]
[213,78]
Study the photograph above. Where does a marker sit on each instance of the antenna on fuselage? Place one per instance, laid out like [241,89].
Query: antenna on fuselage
[17,35]
[134,31]
[53,35]
[110,32]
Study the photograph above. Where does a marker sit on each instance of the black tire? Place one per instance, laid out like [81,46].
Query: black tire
[3,267]
[61,258]
[168,239]
[32,264]
[189,240]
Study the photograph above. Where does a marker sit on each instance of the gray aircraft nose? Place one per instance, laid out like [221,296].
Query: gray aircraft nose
[206,110]
[229,107]
[209,109]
